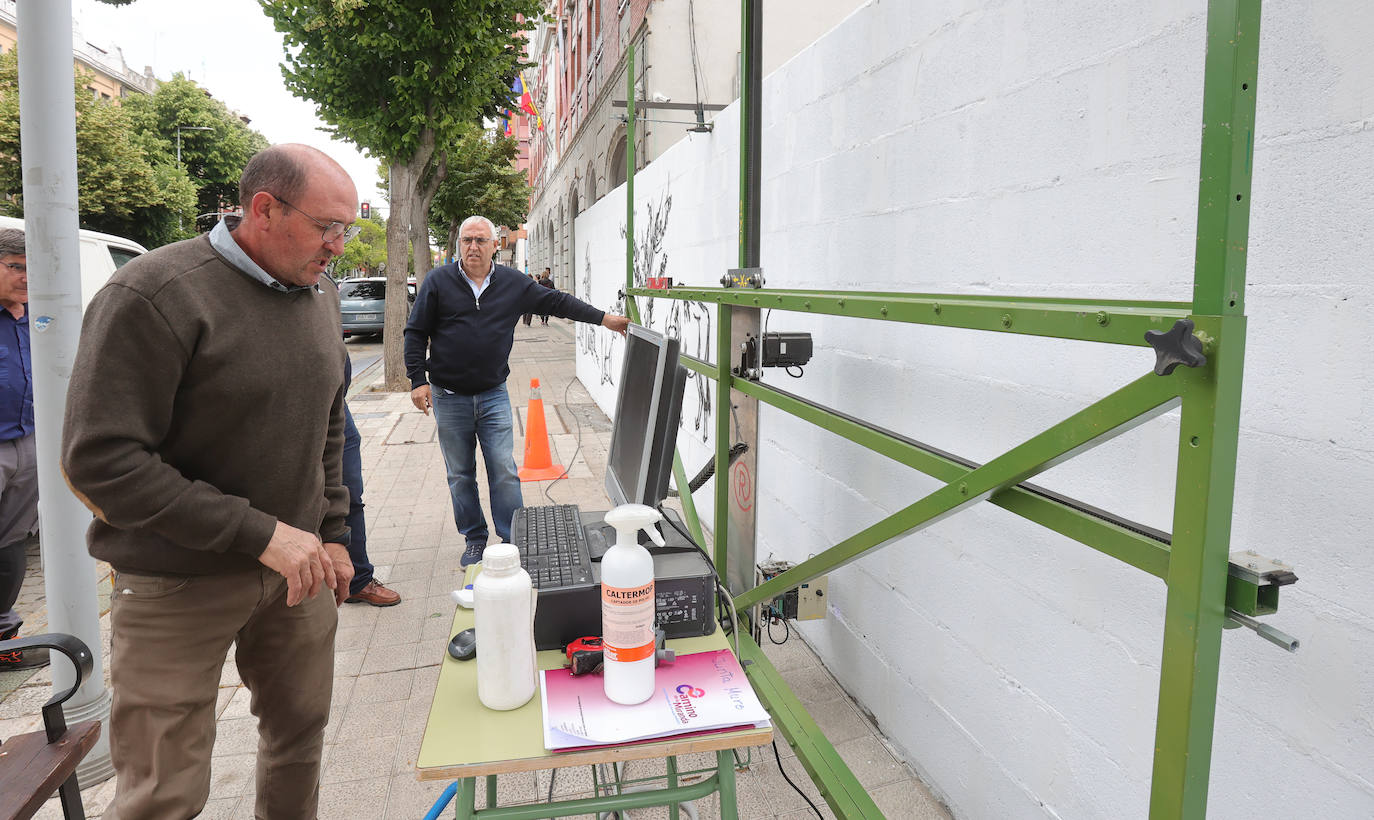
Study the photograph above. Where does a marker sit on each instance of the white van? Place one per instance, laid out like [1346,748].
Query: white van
[101,255]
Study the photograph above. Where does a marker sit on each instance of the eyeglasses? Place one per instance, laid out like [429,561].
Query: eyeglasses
[474,240]
[331,231]
[17,267]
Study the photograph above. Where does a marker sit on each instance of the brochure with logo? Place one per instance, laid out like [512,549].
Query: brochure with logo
[700,692]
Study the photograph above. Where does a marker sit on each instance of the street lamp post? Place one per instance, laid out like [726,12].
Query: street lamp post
[179,129]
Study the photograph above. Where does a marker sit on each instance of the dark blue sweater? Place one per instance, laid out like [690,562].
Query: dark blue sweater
[465,346]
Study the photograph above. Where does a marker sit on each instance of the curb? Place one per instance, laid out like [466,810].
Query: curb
[364,379]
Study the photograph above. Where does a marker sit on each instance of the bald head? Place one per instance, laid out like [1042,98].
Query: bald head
[284,171]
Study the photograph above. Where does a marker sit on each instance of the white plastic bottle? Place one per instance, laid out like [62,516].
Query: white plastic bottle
[503,607]
[627,605]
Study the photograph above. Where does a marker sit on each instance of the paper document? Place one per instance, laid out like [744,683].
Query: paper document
[700,692]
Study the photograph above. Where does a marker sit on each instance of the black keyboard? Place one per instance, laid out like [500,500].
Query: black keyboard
[553,547]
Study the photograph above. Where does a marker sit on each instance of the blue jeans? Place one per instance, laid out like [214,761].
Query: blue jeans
[463,422]
[353,480]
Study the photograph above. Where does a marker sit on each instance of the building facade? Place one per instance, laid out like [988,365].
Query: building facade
[686,51]
[110,76]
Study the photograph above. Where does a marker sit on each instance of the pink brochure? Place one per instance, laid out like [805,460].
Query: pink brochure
[700,692]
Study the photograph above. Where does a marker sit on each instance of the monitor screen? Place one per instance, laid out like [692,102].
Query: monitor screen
[648,406]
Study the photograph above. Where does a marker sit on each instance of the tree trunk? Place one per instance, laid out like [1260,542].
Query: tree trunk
[426,185]
[397,306]
[451,248]
[410,199]
[419,240]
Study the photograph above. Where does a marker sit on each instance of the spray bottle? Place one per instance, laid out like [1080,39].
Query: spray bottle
[504,599]
[627,605]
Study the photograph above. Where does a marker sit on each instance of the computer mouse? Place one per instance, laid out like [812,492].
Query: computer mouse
[462,597]
[463,647]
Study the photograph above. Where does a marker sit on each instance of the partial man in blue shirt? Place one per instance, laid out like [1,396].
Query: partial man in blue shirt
[18,459]
[363,589]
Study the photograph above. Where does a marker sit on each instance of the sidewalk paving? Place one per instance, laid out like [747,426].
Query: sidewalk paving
[387,660]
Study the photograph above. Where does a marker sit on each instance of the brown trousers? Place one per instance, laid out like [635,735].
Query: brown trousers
[170,637]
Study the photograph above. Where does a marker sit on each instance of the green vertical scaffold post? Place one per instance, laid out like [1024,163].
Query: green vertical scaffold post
[1210,425]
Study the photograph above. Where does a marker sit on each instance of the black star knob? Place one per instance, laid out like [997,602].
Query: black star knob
[1176,346]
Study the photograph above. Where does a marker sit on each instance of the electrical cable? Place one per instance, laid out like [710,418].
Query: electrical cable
[720,587]
[738,449]
[787,629]
[692,42]
[734,415]
[734,616]
[798,374]
[572,460]
[778,757]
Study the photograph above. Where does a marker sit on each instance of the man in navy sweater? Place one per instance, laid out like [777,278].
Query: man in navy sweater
[457,349]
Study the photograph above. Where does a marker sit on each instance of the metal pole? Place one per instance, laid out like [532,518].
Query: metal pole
[180,226]
[751,132]
[1210,425]
[48,138]
[179,130]
[633,309]
[742,411]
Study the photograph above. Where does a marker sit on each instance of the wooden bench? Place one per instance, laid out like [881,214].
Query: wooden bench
[33,766]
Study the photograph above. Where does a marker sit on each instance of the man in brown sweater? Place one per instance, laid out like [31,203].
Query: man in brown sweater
[204,429]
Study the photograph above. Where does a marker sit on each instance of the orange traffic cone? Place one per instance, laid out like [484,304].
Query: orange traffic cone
[539,464]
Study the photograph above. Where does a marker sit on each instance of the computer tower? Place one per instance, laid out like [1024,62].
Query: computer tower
[684,590]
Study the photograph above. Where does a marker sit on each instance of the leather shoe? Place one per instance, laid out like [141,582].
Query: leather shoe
[374,593]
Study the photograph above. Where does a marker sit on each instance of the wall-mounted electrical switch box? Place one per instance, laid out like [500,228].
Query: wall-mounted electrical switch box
[811,599]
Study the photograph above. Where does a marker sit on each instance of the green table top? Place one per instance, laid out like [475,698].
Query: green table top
[463,738]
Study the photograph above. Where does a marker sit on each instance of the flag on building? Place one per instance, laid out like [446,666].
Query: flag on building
[527,103]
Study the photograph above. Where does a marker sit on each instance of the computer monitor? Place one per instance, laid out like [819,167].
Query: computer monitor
[647,409]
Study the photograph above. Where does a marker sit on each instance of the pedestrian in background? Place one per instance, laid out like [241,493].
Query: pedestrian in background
[458,340]
[529,317]
[545,280]
[18,459]
[209,446]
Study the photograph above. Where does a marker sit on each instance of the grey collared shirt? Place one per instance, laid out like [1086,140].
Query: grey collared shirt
[222,239]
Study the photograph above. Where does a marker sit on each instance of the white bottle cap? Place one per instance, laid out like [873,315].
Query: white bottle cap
[500,558]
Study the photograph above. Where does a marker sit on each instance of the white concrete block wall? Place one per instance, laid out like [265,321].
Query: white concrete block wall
[1052,149]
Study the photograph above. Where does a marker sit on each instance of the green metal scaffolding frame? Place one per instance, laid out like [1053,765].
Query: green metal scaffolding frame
[1192,560]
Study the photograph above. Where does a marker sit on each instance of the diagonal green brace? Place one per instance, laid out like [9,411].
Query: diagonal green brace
[1143,399]
[837,784]
[1106,536]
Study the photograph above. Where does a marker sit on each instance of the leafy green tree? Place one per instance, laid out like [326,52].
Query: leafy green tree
[120,189]
[399,78]
[365,253]
[215,143]
[482,179]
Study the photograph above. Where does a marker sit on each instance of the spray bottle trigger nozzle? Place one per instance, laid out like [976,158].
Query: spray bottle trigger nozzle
[654,535]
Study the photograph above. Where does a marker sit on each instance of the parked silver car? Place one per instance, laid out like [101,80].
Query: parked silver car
[362,303]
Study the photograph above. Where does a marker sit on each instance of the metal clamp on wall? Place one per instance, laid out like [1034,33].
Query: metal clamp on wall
[742,278]
[1252,588]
